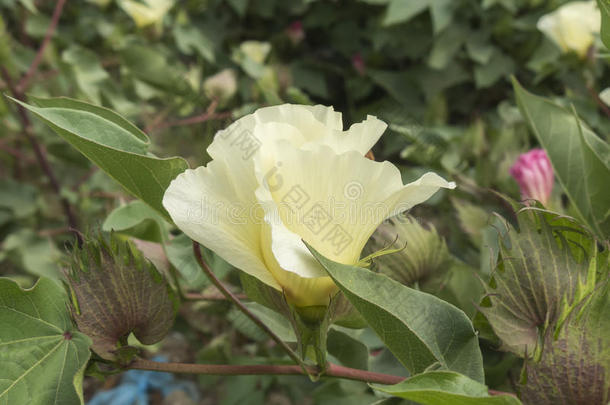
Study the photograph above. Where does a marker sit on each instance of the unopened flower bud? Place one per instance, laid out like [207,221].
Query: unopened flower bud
[295,32]
[421,254]
[222,85]
[358,64]
[534,173]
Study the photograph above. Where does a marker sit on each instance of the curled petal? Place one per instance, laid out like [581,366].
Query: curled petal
[215,207]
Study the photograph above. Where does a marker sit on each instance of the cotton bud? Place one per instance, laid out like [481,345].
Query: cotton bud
[534,173]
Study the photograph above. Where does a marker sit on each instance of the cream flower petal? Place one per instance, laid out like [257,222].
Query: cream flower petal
[298,116]
[216,207]
[359,137]
[572,26]
[335,202]
[301,290]
[316,124]
[286,246]
[327,116]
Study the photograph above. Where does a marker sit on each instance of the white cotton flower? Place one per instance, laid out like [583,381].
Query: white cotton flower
[146,12]
[288,174]
[572,26]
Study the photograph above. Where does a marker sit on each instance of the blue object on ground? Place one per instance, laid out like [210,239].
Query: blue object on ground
[137,384]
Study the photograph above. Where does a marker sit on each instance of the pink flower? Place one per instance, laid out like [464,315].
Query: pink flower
[534,173]
[295,32]
[358,64]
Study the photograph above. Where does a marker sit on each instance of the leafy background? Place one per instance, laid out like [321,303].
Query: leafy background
[437,71]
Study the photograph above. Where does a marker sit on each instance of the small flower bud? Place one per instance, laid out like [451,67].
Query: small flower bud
[295,32]
[358,64]
[422,252]
[534,173]
[221,86]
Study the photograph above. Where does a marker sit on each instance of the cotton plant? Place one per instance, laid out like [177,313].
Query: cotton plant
[290,198]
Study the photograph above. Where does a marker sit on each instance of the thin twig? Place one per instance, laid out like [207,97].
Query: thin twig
[210,297]
[233,298]
[16,153]
[209,114]
[602,105]
[23,83]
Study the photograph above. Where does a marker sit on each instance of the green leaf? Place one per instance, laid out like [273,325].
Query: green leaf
[114,144]
[149,65]
[349,351]
[138,220]
[18,197]
[489,73]
[43,357]
[276,322]
[604,7]
[180,254]
[190,38]
[420,329]
[36,254]
[473,219]
[580,159]
[446,46]
[400,11]
[115,292]
[88,71]
[445,388]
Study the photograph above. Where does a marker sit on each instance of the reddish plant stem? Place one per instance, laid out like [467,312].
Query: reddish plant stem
[209,297]
[23,83]
[233,298]
[16,153]
[333,370]
[599,101]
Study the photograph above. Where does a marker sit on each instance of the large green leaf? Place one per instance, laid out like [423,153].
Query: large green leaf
[42,356]
[138,220]
[400,11]
[114,144]
[580,158]
[420,329]
[348,350]
[445,388]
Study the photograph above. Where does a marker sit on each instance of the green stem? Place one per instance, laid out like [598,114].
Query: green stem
[233,298]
